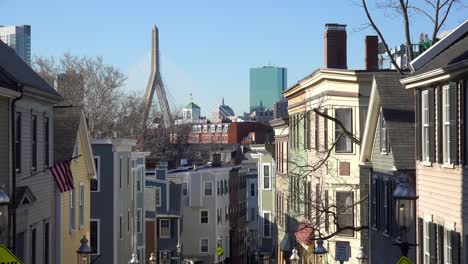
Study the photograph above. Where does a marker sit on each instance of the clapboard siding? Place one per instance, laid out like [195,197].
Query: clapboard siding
[4,140]
[381,162]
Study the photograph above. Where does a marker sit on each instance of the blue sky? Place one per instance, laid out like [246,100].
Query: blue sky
[207,46]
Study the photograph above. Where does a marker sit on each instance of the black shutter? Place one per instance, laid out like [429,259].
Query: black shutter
[462,122]
[432,243]
[455,247]
[453,91]
[440,244]
[421,240]
[431,104]
[440,140]
[418,124]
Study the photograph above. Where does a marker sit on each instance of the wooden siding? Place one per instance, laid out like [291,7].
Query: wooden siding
[381,162]
[5,143]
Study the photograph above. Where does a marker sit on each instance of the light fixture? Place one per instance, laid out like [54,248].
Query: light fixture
[84,252]
[320,252]
[362,256]
[134,259]
[294,257]
[4,204]
[152,259]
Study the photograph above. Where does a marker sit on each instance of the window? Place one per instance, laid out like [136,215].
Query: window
[374,203]
[253,214]
[427,243]
[128,221]
[185,189]
[266,176]
[446,124]
[345,211]
[213,129]
[33,246]
[94,236]
[448,247]
[157,192]
[208,188]
[139,220]
[120,172]
[34,142]
[266,224]
[203,245]
[425,126]
[383,134]
[344,143]
[94,184]
[139,180]
[218,215]
[385,223]
[76,148]
[121,227]
[225,186]
[82,204]
[72,210]
[46,242]
[325,130]
[316,129]
[164,228]
[18,142]
[46,143]
[218,187]
[203,216]
[252,189]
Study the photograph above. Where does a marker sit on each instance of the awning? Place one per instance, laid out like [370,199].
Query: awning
[285,243]
[304,235]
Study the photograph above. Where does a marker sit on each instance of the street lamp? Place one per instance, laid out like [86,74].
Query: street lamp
[320,252]
[4,204]
[266,259]
[134,259]
[294,257]
[362,256]
[405,199]
[152,259]
[179,251]
[84,252]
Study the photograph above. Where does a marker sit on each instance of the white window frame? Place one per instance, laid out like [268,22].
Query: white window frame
[207,216]
[207,245]
[139,220]
[204,188]
[139,180]
[447,246]
[425,126]
[269,176]
[98,174]
[158,199]
[446,124]
[72,210]
[263,223]
[185,185]
[168,234]
[82,206]
[213,129]
[427,238]
[98,221]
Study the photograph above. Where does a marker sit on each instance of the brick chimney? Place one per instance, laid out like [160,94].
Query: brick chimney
[372,53]
[335,46]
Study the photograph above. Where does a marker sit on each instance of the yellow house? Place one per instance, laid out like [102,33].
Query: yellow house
[71,142]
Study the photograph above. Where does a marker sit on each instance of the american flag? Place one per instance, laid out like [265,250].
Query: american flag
[63,176]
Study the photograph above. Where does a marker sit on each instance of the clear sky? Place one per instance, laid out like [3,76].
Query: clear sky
[207,46]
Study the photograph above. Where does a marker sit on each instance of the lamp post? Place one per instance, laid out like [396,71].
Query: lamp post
[84,252]
[405,199]
[134,259]
[362,256]
[179,251]
[4,204]
[320,252]
[152,259]
[294,257]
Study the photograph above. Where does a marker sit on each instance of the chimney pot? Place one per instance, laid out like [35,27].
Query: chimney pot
[372,53]
[335,46]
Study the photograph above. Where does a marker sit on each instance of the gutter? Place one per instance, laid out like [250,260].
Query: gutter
[12,209]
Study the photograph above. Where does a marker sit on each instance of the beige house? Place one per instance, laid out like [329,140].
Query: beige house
[439,81]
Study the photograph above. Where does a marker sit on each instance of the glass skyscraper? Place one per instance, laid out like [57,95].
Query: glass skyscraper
[19,39]
[266,86]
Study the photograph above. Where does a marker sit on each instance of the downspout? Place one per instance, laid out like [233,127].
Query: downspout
[12,209]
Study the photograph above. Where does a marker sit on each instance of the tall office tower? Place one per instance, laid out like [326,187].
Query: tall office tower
[18,38]
[266,86]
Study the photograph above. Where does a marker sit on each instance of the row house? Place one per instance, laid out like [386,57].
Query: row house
[387,152]
[27,101]
[72,143]
[283,231]
[237,185]
[162,214]
[138,169]
[327,113]
[439,82]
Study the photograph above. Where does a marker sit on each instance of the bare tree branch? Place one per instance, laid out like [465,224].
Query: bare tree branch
[343,128]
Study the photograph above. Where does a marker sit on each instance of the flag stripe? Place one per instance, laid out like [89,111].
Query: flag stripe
[63,176]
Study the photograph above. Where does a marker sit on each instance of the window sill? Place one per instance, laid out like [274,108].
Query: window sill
[384,153]
[448,166]
[426,163]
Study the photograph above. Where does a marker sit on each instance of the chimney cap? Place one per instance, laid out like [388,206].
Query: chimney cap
[335,26]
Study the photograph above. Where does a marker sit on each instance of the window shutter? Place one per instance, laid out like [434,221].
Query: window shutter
[462,123]
[431,125]
[455,247]
[440,140]
[418,124]
[440,244]
[432,243]
[453,122]
[421,240]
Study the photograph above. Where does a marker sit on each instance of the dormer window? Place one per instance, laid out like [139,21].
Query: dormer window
[213,128]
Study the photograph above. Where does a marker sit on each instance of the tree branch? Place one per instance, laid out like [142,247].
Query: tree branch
[404,11]
[338,122]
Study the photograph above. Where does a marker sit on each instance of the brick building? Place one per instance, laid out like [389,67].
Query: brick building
[231,133]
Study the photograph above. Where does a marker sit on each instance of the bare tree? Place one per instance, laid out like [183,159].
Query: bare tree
[437,11]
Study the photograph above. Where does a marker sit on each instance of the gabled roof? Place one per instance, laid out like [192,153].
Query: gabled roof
[66,126]
[24,196]
[21,72]
[192,105]
[397,106]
